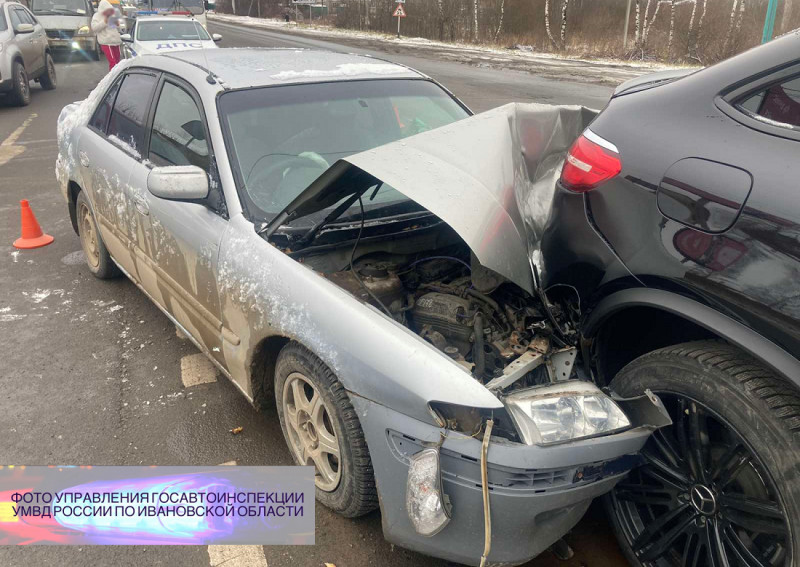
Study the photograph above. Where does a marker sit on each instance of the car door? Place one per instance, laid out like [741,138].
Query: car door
[38,39]
[108,149]
[24,41]
[178,243]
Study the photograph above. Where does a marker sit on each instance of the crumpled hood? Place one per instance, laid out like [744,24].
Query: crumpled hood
[491,177]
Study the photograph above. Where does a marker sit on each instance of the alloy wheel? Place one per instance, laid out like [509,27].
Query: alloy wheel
[702,498]
[311,433]
[88,234]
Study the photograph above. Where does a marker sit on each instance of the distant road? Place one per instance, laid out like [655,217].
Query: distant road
[481,88]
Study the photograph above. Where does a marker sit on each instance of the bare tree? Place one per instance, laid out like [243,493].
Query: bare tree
[740,17]
[671,27]
[547,23]
[475,20]
[731,25]
[638,22]
[564,23]
[691,29]
[700,31]
[500,25]
[786,16]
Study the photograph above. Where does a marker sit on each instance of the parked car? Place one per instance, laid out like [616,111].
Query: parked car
[396,321]
[24,54]
[676,221]
[68,25]
[166,34]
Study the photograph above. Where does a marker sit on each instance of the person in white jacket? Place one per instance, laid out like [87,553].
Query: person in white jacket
[104,24]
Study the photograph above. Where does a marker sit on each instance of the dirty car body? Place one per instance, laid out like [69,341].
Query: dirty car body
[411,283]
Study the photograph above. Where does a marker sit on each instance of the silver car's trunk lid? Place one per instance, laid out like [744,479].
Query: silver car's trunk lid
[491,177]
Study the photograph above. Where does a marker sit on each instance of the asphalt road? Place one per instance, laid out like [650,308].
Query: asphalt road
[91,370]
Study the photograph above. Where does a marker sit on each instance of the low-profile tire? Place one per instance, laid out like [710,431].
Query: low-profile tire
[48,79]
[720,486]
[21,90]
[97,257]
[316,415]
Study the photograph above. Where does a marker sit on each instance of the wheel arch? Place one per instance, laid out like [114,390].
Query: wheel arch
[73,189]
[619,322]
[262,369]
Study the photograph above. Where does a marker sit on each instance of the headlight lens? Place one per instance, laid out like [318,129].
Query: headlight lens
[428,508]
[83,31]
[565,412]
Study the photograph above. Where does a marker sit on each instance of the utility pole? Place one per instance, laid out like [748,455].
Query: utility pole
[769,21]
[627,19]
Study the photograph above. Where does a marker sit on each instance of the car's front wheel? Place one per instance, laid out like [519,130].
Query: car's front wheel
[21,89]
[322,430]
[720,486]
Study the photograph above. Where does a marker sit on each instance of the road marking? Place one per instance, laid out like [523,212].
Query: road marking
[9,148]
[237,555]
[197,369]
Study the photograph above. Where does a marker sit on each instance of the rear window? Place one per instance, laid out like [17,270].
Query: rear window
[170,31]
[130,110]
[779,104]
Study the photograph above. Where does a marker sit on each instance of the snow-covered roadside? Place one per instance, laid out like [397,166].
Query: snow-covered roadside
[593,70]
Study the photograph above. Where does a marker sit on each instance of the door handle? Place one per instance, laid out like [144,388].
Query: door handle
[84,157]
[141,205]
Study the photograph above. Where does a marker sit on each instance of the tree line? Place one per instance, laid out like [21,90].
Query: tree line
[692,31]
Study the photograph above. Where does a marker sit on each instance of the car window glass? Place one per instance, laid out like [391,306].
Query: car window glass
[100,119]
[779,103]
[15,18]
[30,16]
[24,16]
[178,136]
[170,30]
[3,23]
[130,110]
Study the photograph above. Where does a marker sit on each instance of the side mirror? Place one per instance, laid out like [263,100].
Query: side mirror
[216,37]
[178,182]
[126,37]
[24,28]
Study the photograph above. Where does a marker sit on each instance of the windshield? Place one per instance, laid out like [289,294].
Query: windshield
[157,31]
[75,7]
[193,6]
[283,138]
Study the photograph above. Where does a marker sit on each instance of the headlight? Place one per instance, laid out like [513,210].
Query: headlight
[565,412]
[83,31]
[428,508]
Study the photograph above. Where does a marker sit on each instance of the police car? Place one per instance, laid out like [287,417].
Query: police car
[166,34]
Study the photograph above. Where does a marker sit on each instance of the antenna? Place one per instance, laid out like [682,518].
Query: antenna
[210,77]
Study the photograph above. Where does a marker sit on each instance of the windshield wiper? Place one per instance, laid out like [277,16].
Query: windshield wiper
[309,236]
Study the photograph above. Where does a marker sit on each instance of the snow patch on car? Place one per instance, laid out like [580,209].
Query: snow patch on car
[343,70]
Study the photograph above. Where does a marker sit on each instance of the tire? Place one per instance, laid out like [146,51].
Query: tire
[741,423]
[350,490]
[48,79]
[97,257]
[21,91]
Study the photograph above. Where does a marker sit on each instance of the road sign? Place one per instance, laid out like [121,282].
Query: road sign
[399,13]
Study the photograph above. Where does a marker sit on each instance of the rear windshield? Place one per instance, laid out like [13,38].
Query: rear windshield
[66,7]
[162,31]
[283,138]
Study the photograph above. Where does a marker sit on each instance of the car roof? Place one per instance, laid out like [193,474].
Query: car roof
[237,68]
[171,18]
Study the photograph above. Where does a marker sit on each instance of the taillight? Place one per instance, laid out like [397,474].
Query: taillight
[591,161]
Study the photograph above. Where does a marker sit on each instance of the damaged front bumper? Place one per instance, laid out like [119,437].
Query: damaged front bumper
[537,493]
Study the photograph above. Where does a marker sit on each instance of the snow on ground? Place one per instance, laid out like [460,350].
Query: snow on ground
[551,65]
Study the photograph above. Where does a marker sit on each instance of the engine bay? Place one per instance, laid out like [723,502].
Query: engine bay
[503,336]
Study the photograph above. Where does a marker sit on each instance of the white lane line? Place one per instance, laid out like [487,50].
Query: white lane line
[9,148]
[197,369]
[237,556]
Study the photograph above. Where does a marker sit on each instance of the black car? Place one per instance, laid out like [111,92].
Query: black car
[677,221]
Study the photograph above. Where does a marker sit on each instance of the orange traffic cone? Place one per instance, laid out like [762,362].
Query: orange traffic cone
[32,235]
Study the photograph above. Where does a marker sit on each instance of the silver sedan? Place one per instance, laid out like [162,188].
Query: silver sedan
[341,238]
